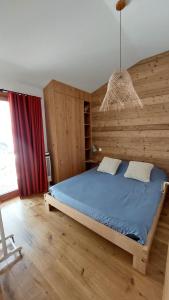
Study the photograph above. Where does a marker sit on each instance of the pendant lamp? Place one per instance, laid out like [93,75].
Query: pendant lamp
[120,89]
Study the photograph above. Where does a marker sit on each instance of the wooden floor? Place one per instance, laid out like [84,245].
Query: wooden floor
[64,260]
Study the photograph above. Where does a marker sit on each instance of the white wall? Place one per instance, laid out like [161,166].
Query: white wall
[27,89]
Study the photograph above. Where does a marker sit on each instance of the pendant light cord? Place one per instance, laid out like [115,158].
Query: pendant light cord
[120,43]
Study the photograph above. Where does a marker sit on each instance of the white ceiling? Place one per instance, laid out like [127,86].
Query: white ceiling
[77,41]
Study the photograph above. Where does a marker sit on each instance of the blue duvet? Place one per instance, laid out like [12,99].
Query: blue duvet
[126,205]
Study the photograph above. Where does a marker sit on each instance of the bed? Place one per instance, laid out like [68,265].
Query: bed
[122,210]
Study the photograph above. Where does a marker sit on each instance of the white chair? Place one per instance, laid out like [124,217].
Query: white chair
[5,251]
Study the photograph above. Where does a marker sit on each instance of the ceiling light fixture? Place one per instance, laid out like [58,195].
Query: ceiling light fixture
[120,89]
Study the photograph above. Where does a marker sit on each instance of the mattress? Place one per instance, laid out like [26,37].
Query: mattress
[125,205]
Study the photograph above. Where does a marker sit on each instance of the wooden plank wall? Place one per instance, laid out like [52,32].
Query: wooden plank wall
[138,134]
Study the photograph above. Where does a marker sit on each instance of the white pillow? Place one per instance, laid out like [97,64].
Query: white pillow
[109,165]
[139,171]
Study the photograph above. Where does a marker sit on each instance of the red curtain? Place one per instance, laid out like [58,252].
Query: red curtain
[27,128]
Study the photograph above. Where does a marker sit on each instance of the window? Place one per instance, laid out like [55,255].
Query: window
[8,178]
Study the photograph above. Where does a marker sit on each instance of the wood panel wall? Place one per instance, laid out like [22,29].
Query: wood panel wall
[138,134]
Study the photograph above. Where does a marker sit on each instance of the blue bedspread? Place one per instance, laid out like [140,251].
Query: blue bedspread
[126,205]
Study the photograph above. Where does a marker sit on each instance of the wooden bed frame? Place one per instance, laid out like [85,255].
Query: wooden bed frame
[140,252]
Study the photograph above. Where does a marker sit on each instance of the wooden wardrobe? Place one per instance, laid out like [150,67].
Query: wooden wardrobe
[64,110]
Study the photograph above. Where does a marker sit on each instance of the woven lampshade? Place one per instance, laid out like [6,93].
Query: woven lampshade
[121,92]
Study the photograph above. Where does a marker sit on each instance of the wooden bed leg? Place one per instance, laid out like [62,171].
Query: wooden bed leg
[48,206]
[140,264]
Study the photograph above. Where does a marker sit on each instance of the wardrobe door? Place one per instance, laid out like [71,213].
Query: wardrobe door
[69,136]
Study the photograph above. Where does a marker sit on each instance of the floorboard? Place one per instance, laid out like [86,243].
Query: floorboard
[64,260]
